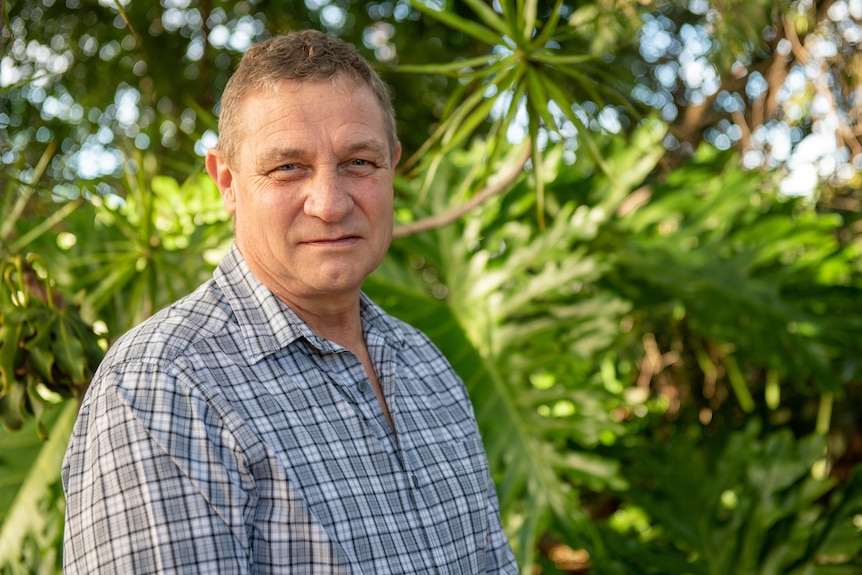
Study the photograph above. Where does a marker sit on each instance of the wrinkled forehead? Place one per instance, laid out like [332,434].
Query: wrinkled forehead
[267,100]
[270,98]
[348,112]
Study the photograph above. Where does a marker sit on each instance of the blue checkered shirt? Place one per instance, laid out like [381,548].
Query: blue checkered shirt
[223,436]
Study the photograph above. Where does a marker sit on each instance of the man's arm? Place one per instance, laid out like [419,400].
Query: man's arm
[132,503]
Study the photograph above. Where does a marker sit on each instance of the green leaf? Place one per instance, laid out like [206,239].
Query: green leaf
[538,180]
[491,18]
[538,100]
[528,20]
[459,130]
[39,407]
[12,407]
[458,67]
[549,29]
[45,226]
[122,270]
[68,351]
[461,121]
[556,94]
[481,33]
[27,516]
[43,361]
[10,349]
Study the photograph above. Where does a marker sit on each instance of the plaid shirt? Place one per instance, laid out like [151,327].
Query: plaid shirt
[223,436]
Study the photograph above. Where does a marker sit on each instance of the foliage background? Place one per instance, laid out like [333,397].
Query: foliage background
[632,226]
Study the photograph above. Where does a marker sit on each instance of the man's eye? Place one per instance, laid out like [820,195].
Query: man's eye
[359,162]
[286,167]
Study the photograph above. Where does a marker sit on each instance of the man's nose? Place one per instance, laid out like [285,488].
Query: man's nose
[328,197]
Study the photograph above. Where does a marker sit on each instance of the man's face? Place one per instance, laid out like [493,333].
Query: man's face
[311,189]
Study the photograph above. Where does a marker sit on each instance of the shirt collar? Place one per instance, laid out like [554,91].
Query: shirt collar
[267,324]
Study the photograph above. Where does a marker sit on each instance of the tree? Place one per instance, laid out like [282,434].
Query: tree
[590,228]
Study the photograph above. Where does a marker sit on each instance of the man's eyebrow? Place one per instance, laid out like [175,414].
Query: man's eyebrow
[274,155]
[280,154]
[372,146]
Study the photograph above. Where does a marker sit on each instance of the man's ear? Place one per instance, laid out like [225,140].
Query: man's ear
[220,172]
[396,157]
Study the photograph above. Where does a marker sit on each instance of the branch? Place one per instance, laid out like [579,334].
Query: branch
[797,48]
[844,132]
[440,220]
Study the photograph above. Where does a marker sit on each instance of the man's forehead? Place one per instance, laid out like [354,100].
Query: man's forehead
[275,97]
[275,127]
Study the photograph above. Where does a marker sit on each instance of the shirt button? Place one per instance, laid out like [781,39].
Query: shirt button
[416,481]
[363,386]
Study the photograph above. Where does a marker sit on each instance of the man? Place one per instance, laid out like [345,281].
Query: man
[276,420]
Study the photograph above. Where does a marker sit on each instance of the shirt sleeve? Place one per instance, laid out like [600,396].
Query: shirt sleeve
[134,503]
[498,552]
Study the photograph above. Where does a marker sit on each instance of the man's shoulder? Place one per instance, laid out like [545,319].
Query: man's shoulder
[172,331]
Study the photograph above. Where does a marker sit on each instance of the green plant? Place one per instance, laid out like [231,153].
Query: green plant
[46,349]
[745,503]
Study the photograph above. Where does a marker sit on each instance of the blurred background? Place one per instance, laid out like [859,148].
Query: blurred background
[633,226]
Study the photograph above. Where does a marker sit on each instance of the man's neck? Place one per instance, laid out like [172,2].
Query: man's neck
[339,325]
[334,316]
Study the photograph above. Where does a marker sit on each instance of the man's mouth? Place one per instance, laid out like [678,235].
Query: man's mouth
[336,241]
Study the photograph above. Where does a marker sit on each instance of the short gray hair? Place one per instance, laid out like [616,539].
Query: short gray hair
[307,55]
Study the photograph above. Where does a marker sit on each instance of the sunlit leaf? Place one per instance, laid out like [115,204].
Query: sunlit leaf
[478,31]
[27,516]
[491,18]
[459,67]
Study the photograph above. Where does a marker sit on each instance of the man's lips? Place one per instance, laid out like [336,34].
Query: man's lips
[340,241]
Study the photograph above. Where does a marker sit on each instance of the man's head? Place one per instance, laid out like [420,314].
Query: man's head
[304,56]
[306,164]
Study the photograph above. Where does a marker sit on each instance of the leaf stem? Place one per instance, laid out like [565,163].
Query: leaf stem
[445,218]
